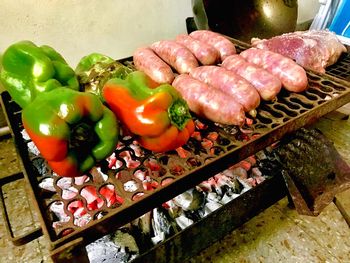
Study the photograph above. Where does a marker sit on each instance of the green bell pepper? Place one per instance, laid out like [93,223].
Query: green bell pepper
[96,69]
[28,70]
[71,129]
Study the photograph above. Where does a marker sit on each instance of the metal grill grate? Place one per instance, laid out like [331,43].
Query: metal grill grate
[155,178]
[342,68]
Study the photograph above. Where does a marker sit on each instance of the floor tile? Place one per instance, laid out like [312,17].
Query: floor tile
[269,237]
[327,229]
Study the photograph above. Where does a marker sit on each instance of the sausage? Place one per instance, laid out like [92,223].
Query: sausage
[147,61]
[209,102]
[224,46]
[176,55]
[230,83]
[205,54]
[264,82]
[292,76]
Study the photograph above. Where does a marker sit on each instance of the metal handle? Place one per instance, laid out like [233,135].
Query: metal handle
[24,238]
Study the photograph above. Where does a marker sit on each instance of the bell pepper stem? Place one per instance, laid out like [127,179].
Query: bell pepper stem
[179,113]
[82,136]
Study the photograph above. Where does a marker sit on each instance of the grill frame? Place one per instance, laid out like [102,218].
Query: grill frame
[279,127]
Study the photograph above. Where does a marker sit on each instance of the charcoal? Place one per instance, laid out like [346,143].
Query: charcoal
[210,207]
[190,200]
[32,149]
[41,166]
[126,241]
[143,223]
[118,247]
[183,221]
[268,167]
[228,197]
[47,184]
[103,250]
[193,215]
[162,225]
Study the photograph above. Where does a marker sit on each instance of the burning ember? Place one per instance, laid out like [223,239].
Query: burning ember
[162,222]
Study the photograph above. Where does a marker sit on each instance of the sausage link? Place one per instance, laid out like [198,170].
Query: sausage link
[230,83]
[206,54]
[147,61]
[292,76]
[264,82]
[176,55]
[209,102]
[224,46]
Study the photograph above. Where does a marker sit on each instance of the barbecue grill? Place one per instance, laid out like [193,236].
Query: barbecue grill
[175,173]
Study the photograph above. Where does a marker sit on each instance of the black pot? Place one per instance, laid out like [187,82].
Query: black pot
[244,19]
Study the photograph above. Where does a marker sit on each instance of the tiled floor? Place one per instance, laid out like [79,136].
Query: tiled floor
[279,234]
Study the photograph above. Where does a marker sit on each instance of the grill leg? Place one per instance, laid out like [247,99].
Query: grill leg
[73,252]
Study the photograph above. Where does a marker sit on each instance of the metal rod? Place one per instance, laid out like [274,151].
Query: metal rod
[4,131]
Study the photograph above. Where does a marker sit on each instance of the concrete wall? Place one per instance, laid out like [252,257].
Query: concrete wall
[114,27]
[78,27]
[307,9]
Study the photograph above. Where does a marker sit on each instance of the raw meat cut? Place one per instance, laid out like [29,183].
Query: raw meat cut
[312,49]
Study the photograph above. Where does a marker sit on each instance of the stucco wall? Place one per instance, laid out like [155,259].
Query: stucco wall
[78,27]
[307,9]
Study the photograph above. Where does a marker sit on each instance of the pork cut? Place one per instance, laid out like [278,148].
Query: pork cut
[312,49]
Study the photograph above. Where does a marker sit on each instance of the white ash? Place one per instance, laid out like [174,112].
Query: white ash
[131,186]
[82,220]
[25,135]
[183,221]
[32,149]
[216,191]
[57,208]
[228,197]
[161,225]
[48,184]
[192,199]
[65,182]
[118,247]
[210,207]
[68,191]
[98,176]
